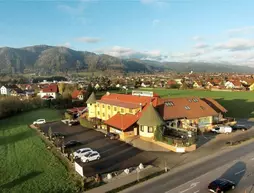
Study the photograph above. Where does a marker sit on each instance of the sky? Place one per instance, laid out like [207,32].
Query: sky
[162,30]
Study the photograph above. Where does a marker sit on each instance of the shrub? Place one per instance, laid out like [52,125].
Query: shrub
[68,115]
[85,123]
[158,134]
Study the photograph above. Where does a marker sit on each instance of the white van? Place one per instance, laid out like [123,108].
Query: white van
[222,129]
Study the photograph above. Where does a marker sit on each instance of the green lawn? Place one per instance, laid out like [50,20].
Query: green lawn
[238,104]
[26,165]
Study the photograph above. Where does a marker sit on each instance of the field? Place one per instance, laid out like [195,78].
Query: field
[238,104]
[26,165]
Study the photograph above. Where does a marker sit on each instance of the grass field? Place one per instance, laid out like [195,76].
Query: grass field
[26,165]
[238,104]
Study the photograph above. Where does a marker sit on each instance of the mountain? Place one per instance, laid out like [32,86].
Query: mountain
[50,59]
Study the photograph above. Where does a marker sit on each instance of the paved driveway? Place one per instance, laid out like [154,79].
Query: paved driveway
[115,155]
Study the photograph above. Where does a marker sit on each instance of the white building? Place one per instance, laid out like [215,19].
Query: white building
[5,91]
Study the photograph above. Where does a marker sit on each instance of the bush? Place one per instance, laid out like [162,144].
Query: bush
[10,106]
[85,123]
[68,116]
[158,134]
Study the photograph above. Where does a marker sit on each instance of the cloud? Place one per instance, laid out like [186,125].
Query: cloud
[159,3]
[124,52]
[201,46]
[66,44]
[156,21]
[236,44]
[88,39]
[72,10]
[197,38]
[242,30]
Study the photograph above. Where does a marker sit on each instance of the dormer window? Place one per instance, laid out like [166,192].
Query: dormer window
[169,103]
[187,107]
[195,100]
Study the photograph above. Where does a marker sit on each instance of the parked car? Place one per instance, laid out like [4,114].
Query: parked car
[39,121]
[58,134]
[239,127]
[90,156]
[73,122]
[72,143]
[221,185]
[112,135]
[222,129]
[81,152]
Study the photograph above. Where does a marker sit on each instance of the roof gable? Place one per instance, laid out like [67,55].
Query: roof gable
[50,88]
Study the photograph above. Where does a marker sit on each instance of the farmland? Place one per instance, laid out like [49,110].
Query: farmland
[26,165]
[238,104]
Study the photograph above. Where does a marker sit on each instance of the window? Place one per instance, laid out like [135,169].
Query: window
[122,110]
[114,108]
[142,128]
[169,103]
[130,110]
[187,107]
[102,106]
[98,112]
[190,100]
[150,129]
[108,107]
[103,114]
[195,100]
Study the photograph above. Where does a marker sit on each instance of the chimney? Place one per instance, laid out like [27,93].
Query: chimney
[140,105]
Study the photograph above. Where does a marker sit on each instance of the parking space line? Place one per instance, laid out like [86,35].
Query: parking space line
[239,172]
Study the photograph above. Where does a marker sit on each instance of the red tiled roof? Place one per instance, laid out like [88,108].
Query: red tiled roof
[178,110]
[128,101]
[215,105]
[122,122]
[76,93]
[50,88]
[171,82]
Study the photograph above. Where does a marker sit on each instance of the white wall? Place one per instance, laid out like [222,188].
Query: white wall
[53,94]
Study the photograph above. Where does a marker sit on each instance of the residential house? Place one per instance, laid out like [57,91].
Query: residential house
[233,84]
[251,87]
[78,95]
[15,91]
[131,115]
[49,92]
[197,84]
[5,90]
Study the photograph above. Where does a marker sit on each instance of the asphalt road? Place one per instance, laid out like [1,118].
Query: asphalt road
[195,178]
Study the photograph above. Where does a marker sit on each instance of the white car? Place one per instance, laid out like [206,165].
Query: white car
[80,152]
[90,156]
[222,129]
[39,121]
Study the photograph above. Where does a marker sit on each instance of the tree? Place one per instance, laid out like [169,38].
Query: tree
[61,87]
[50,133]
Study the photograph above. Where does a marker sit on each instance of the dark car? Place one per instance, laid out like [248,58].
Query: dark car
[71,123]
[221,185]
[58,134]
[239,127]
[112,135]
[72,143]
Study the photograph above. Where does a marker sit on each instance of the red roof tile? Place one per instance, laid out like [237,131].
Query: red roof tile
[50,88]
[128,101]
[76,93]
[176,108]
[122,122]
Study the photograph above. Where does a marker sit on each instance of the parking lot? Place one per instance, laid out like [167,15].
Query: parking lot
[115,154]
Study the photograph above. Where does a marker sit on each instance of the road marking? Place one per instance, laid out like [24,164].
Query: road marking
[193,185]
[196,191]
[239,172]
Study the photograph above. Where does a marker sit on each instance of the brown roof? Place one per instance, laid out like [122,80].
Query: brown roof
[50,88]
[128,101]
[215,105]
[122,122]
[189,107]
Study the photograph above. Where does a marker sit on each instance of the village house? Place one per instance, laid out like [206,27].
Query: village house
[5,90]
[78,95]
[49,91]
[141,113]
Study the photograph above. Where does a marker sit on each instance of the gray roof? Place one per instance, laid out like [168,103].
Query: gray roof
[150,117]
[91,99]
